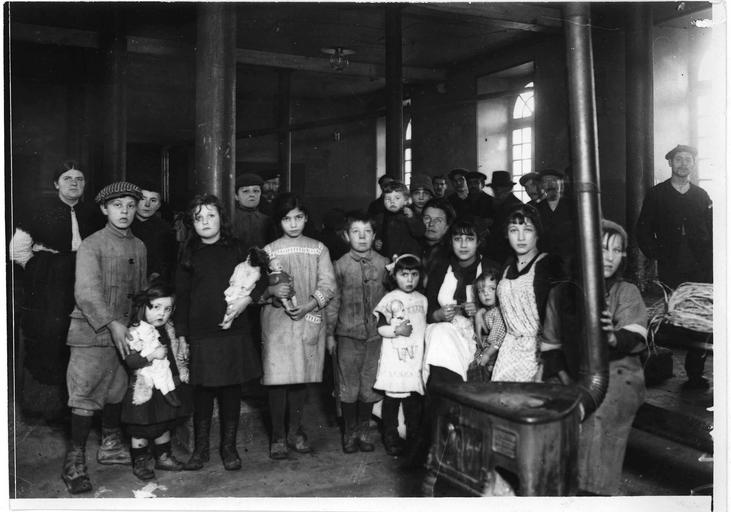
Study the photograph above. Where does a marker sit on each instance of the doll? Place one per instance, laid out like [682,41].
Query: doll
[276,276]
[145,339]
[242,282]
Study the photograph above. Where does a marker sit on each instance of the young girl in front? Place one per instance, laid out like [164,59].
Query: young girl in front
[220,360]
[294,338]
[489,326]
[401,322]
[156,416]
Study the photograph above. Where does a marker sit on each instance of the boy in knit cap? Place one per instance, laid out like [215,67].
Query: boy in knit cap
[111,267]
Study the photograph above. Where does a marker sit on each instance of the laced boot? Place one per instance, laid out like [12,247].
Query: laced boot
[75,474]
[229,455]
[141,462]
[164,459]
[298,441]
[112,450]
[364,438]
[201,453]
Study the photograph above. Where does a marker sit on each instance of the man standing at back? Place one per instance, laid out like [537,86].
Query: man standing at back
[675,224]
[675,227]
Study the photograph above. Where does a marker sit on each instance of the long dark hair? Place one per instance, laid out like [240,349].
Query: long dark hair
[143,299]
[282,205]
[192,240]
[519,216]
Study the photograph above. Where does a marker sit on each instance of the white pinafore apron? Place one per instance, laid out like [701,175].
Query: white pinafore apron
[517,359]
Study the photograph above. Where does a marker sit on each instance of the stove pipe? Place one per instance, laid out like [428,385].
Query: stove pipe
[594,374]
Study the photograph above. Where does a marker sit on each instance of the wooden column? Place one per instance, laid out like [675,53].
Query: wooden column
[215,102]
[640,165]
[394,95]
[113,43]
[284,114]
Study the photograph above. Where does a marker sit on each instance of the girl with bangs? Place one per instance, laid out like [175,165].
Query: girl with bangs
[522,295]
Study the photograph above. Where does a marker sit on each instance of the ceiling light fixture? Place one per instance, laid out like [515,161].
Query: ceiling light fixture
[338,57]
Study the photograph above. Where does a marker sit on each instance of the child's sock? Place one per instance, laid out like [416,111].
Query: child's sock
[80,428]
[112,416]
[350,414]
[138,452]
[161,449]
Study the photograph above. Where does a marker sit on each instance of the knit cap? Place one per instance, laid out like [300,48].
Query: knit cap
[420,181]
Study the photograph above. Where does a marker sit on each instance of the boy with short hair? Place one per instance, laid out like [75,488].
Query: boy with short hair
[398,229]
[360,279]
[111,266]
[250,225]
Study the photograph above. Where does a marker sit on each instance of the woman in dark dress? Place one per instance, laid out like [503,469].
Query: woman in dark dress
[45,244]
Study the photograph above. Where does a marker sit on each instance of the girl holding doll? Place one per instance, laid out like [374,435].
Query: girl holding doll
[220,359]
[401,317]
[146,412]
[294,338]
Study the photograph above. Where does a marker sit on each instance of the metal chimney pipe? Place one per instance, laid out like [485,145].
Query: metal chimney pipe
[593,374]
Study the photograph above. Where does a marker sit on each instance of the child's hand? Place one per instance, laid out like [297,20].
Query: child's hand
[486,356]
[183,348]
[608,327]
[470,308]
[330,344]
[298,312]
[119,333]
[445,313]
[281,290]
[160,352]
[408,212]
[403,329]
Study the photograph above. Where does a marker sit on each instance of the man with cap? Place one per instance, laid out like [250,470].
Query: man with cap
[269,190]
[376,206]
[458,199]
[421,191]
[531,182]
[157,235]
[675,227]
[439,182]
[504,202]
[111,267]
[557,215]
[250,225]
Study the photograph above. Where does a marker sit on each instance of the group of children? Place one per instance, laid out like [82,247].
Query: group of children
[364,309]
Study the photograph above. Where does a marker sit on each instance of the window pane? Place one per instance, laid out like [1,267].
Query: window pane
[408,131]
[527,150]
[516,152]
[526,134]
[407,167]
[517,167]
[517,136]
[407,153]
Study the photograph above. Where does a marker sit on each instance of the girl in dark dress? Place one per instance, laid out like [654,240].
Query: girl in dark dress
[221,360]
[156,417]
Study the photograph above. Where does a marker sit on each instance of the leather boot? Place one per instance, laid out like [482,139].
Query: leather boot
[112,449]
[75,474]
[229,455]
[201,452]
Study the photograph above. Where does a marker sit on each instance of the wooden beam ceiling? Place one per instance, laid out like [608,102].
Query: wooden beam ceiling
[41,34]
[515,16]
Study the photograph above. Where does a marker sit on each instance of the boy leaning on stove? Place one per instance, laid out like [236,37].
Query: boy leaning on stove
[111,266]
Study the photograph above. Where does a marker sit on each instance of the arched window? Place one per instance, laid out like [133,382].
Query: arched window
[522,136]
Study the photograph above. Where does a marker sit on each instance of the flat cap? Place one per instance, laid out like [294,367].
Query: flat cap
[457,172]
[421,181]
[248,179]
[681,148]
[118,189]
[528,177]
[472,175]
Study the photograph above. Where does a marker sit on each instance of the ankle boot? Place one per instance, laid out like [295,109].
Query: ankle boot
[201,453]
[229,455]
